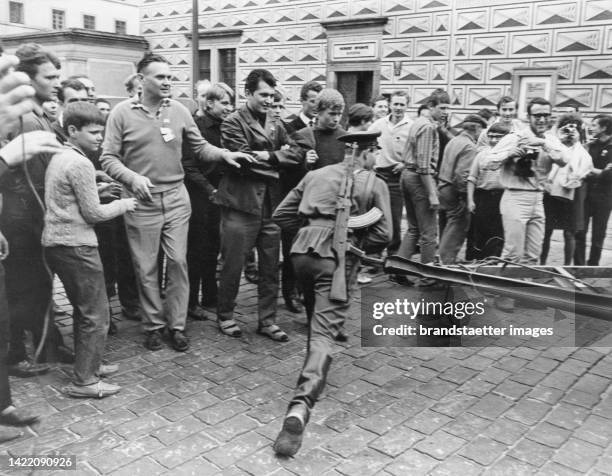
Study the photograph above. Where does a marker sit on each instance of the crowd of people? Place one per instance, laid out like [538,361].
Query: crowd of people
[168,208]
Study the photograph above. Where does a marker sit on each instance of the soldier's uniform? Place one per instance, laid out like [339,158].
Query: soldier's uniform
[311,207]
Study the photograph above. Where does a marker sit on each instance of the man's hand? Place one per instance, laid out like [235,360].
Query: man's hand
[102,176]
[15,94]
[397,169]
[531,142]
[232,158]
[131,204]
[262,155]
[311,157]
[434,202]
[516,153]
[471,205]
[141,186]
[109,191]
[32,143]
[4,247]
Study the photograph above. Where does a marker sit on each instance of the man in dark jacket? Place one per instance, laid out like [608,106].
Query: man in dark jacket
[248,196]
[598,203]
[202,181]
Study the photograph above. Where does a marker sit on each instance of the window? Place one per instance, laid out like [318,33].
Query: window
[227,66]
[120,27]
[16,12]
[205,65]
[89,22]
[58,19]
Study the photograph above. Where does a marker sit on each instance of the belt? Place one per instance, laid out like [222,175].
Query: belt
[524,190]
[321,221]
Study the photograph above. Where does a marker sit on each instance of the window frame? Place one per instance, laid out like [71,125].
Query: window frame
[124,32]
[85,17]
[20,10]
[62,15]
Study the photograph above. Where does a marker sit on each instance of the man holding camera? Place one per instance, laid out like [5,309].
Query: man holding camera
[526,158]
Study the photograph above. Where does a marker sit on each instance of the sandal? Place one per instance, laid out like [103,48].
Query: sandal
[230,328]
[95,390]
[273,332]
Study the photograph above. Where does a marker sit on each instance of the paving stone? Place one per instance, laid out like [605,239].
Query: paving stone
[578,455]
[483,450]
[440,445]
[237,449]
[512,390]
[382,375]
[184,450]
[427,422]
[194,467]
[140,426]
[125,453]
[65,418]
[143,466]
[366,462]
[43,444]
[467,426]
[531,452]
[511,364]
[595,430]
[412,463]
[221,411]
[313,462]
[542,364]
[261,462]
[382,421]
[350,441]
[454,404]
[525,353]
[511,466]
[400,386]
[549,435]
[559,379]
[456,465]
[370,403]
[528,412]
[232,428]
[395,442]
[555,469]
[583,399]
[458,375]
[528,376]
[574,366]
[603,368]
[89,447]
[490,406]
[567,416]
[151,402]
[315,435]
[477,362]
[546,394]
[476,387]
[179,430]
[352,391]
[436,388]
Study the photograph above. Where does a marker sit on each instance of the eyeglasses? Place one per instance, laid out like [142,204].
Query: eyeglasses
[495,136]
[541,115]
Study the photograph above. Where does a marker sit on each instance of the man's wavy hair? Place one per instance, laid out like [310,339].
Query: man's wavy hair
[31,56]
[330,99]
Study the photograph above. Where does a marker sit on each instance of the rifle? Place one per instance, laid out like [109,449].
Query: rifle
[339,290]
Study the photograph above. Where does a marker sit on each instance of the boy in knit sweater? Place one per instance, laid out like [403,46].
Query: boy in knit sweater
[71,247]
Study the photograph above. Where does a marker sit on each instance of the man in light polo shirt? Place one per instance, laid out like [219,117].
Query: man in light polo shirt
[506,116]
[389,165]
[142,150]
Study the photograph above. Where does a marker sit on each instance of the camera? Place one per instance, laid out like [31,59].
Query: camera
[523,165]
[568,129]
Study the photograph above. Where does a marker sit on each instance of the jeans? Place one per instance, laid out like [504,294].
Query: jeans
[80,270]
[240,232]
[422,220]
[164,220]
[397,206]
[203,244]
[600,214]
[523,218]
[5,389]
[457,223]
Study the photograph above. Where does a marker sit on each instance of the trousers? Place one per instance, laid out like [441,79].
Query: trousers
[325,321]
[397,206]
[487,226]
[165,221]
[80,270]
[457,223]
[523,218]
[598,214]
[5,389]
[241,232]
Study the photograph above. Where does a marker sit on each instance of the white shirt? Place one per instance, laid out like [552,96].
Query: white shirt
[392,140]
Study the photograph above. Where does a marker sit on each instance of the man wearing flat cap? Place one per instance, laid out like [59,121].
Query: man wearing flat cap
[452,185]
[315,202]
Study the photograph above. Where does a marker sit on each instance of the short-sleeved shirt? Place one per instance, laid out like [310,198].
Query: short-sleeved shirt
[422,147]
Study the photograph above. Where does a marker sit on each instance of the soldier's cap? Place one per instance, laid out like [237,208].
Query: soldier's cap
[473,118]
[363,138]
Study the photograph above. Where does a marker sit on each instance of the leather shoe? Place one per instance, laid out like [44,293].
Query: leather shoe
[293,304]
[153,340]
[27,368]
[12,416]
[289,440]
[251,275]
[179,341]
[131,314]
[197,313]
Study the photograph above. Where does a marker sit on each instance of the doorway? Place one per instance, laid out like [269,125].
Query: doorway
[355,86]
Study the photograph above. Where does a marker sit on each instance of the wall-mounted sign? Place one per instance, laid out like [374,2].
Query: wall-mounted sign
[350,51]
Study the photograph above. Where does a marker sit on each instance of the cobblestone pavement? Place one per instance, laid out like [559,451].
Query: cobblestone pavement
[387,411]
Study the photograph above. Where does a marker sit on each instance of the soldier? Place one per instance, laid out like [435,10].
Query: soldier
[315,254]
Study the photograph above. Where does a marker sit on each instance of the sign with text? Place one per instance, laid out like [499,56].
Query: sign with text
[349,51]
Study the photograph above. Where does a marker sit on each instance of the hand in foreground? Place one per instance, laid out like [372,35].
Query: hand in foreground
[434,202]
[232,158]
[32,143]
[15,94]
[311,157]
[131,204]
[398,168]
[141,186]
[262,155]
[4,247]
[471,206]
[109,190]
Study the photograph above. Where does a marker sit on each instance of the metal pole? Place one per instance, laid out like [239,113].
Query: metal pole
[195,48]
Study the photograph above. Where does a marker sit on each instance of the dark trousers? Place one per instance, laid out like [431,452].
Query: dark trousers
[457,223]
[288,281]
[487,226]
[28,288]
[80,270]
[600,214]
[325,321]
[5,389]
[240,232]
[117,263]
[203,244]
[397,206]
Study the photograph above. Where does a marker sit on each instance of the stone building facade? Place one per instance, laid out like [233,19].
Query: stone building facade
[469,47]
